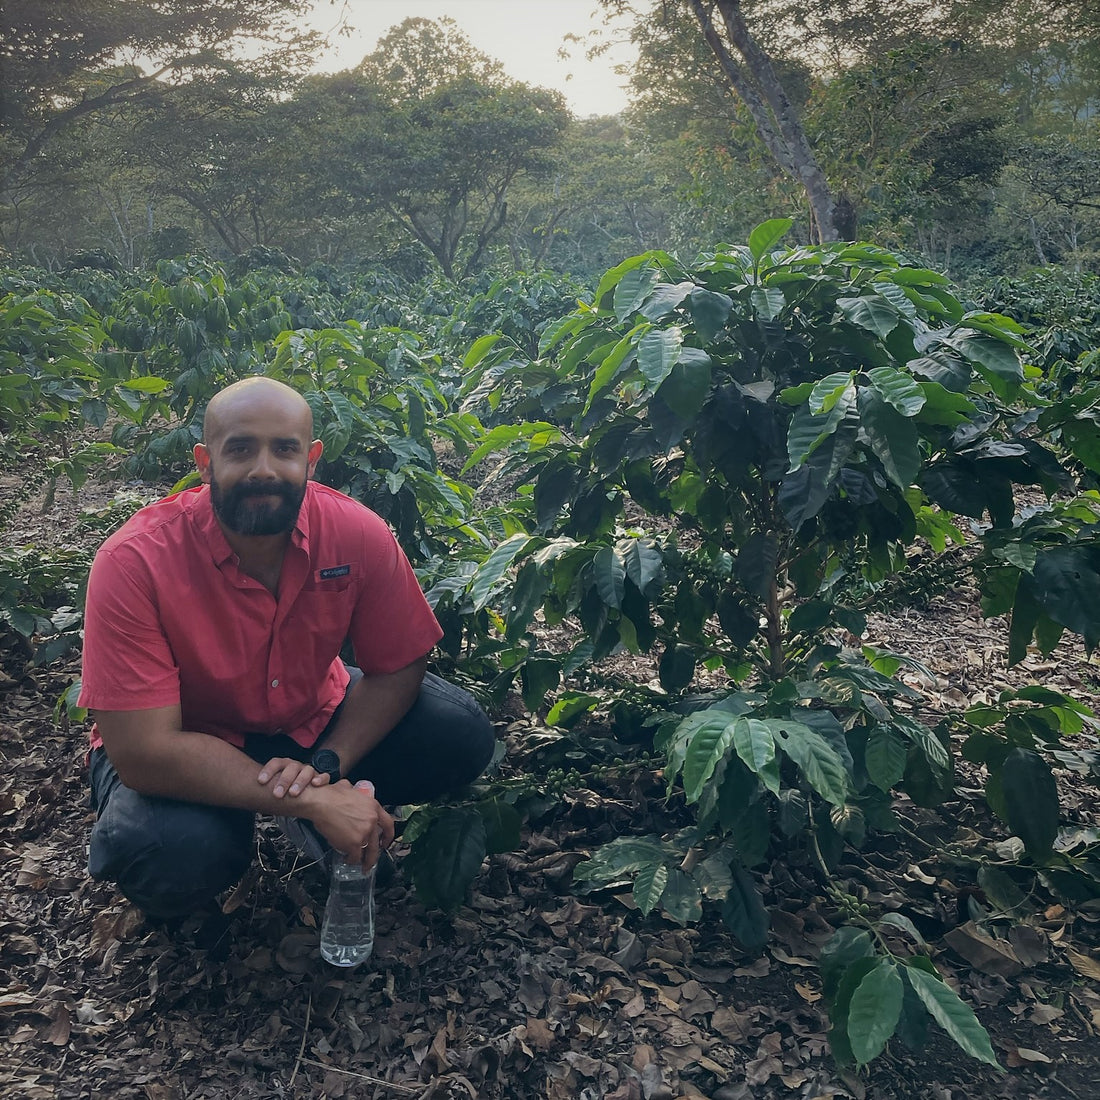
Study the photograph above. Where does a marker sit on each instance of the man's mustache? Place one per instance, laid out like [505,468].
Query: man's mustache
[262,489]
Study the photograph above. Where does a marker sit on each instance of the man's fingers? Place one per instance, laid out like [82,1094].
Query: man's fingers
[286,776]
[273,767]
[377,839]
[355,825]
[296,777]
[370,854]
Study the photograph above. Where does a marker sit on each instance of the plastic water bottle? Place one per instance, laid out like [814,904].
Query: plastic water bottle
[347,933]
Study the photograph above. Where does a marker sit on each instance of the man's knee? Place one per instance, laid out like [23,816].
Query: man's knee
[169,857]
[443,743]
[468,740]
[481,743]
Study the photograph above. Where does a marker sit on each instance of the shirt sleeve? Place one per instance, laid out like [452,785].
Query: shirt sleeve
[392,623]
[128,663]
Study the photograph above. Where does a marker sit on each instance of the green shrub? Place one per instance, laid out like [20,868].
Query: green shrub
[720,445]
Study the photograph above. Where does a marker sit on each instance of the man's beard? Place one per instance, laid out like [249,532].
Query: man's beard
[233,509]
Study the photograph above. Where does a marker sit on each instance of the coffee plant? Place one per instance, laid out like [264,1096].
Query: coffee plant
[722,448]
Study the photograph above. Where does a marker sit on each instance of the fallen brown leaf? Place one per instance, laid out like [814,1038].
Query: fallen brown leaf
[758,969]
[298,952]
[983,952]
[15,1001]
[1022,1056]
[808,993]
[1084,964]
[538,1034]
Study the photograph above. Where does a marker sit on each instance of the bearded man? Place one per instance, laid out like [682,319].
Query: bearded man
[213,629]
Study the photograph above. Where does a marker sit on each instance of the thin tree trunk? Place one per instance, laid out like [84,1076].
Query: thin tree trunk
[491,224]
[1037,242]
[755,82]
[224,228]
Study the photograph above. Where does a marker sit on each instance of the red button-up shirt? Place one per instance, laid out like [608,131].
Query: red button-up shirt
[170,618]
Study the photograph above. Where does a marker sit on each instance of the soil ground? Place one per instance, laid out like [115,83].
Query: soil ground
[532,991]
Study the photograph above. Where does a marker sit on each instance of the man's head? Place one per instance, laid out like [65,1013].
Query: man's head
[257,453]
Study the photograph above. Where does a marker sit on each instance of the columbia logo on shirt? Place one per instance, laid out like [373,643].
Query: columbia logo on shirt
[334,571]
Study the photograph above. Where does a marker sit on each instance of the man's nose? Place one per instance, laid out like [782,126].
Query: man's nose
[264,467]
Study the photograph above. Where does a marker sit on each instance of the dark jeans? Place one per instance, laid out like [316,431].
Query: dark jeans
[169,857]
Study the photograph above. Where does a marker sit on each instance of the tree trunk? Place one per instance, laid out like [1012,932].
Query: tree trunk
[223,226]
[1035,240]
[754,80]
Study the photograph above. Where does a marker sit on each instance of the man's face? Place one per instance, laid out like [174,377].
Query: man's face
[257,463]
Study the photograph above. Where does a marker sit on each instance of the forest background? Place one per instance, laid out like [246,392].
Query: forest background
[965,132]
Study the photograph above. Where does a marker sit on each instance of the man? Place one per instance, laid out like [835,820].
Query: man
[213,628]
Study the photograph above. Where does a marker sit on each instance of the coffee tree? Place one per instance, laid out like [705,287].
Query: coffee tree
[730,456]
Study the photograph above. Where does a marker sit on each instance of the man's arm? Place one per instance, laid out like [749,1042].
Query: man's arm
[154,755]
[373,706]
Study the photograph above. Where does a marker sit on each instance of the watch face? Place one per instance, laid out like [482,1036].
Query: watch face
[326,761]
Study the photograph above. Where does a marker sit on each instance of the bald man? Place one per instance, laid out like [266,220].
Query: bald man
[213,629]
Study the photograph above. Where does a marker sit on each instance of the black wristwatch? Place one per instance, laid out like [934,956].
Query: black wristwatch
[326,762]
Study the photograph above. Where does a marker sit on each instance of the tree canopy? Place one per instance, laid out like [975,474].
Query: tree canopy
[966,130]
[435,145]
[53,52]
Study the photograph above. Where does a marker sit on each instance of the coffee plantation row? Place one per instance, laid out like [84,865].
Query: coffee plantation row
[717,463]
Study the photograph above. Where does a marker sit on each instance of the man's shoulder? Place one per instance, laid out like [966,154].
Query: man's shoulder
[155,521]
[340,523]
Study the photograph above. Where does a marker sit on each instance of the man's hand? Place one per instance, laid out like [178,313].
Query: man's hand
[291,777]
[354,823]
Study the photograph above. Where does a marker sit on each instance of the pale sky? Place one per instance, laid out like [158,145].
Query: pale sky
[523,35]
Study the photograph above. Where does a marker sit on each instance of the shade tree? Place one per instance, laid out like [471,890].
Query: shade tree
[892,119]
[609,193]
[435,157]
[51,51]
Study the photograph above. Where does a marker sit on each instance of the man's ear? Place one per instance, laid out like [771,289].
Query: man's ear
[202,461]
[314,455]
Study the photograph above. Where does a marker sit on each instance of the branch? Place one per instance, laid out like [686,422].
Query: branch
[117,93]
[492,223]
[222,226]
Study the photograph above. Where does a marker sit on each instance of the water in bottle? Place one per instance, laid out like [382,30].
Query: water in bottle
[347,933]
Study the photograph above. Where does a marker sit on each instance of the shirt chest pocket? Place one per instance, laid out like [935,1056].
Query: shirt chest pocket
[322,612]
[332,580]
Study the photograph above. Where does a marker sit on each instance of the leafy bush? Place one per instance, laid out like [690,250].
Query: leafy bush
[720,445]
[41,590]
[716,463]
[99,259]
[516,307]
[1060,312]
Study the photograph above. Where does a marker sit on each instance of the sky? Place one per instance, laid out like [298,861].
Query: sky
[524,35]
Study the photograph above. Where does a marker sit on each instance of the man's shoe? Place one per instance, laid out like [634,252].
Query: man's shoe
[309,842]
[304,837]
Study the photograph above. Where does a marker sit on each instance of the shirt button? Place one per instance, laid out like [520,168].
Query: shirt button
[274,683]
